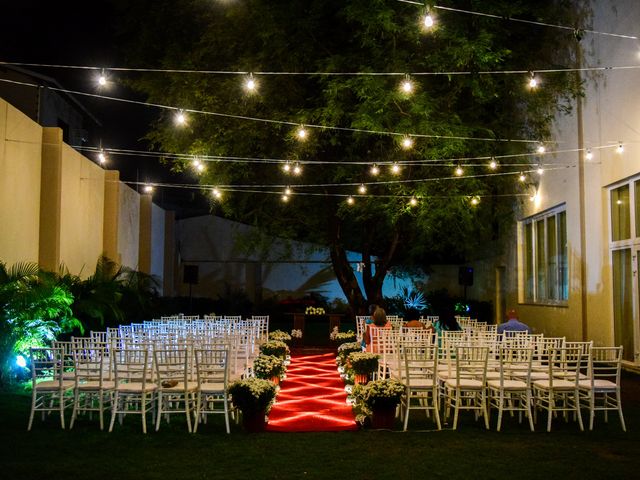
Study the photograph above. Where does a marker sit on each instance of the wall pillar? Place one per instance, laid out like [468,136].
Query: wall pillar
[111,215]
[50,199]
[169,253]
[144,255]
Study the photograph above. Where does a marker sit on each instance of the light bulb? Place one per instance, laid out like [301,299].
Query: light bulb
[533,81]
[297,169]
[395,168]
[589,154]
[102,157]
[102,79]
[196,163]
[375,170]
[493,164]
[148,189]
[287,191]
[200,168]
[362,189]
[407,143]
[250,85]
[620,149]
[428,21]
[286,167]
[216,193]
[541,149]
[540,170]
[301,133]
[180,118]
[522,177]
[475,201]
[406,86]
[350,200]
[413,202]
[285,198]
[21,361]
[458,171]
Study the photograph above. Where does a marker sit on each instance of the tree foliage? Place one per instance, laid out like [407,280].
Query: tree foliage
[357,36]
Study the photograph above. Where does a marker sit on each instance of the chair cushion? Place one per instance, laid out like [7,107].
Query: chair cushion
[93,385]
[558,384]
[212,387]
[135,387]
[598,384]
[465,384]
[508,384]
[52,385]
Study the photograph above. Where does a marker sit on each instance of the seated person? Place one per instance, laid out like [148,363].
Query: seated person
[513,324]
[379,319]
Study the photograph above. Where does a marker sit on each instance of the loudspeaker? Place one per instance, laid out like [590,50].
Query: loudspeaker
[191,274]
[465,276]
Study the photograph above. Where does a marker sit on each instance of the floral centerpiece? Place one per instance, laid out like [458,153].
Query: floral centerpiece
[268,367]
[276,348]
[341,337]
[314,311]
[363,364]
[378,400]
[346,348]
[296,333]
[280,336]
[254,397]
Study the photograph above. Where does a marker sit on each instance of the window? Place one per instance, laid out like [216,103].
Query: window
[546,276]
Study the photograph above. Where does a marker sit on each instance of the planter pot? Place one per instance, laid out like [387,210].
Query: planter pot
[383,417]
[254,422]
[276,380]
[361,379]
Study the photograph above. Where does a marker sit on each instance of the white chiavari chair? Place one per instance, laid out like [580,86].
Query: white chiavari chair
[212,369]
[420,378]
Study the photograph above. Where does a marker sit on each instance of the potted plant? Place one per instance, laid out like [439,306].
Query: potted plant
[276,348]
[253,397]
[363,365]
[268,367]
[280,336]
[338,337]
[381,398]
[345,349]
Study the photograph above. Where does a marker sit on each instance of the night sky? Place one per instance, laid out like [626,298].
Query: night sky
[74,32]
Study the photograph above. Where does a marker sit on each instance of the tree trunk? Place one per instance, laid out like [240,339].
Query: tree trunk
[344,272]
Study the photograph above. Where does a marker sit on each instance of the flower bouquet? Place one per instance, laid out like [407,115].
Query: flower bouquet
[276,348]
[341,337]
[268,367]
[254,397]
[280,336]
[379,399]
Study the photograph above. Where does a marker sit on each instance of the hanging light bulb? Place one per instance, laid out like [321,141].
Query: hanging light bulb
[148,189]
[406,86]
[297,169]
[102,79]
[180,118]
[102,157]
[287,167]
[362,189]
[413,202]
[493,164]
[250,84]
[350,200]
[589,154]
[540,170]
[196,163]
[533,81]
[285,198]
[620,149]
[200,167]
[458,171]
[216,193]
[302,133]
[407,142]
[375,170]
[541,149]
[475,201]
[428,20]
[287,191]
[522,177]
[395,168]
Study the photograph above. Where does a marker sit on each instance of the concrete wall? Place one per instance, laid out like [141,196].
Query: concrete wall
[20,164]
[610,113]
[157,243]
[128,226]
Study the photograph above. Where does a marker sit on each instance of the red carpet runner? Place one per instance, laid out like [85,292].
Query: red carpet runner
[311,398]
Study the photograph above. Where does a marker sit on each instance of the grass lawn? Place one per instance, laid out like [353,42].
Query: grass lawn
[470,452]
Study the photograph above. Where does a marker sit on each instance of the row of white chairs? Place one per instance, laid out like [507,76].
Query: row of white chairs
[465,376]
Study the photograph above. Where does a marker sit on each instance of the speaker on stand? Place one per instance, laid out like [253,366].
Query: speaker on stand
[190,276]
[465,278]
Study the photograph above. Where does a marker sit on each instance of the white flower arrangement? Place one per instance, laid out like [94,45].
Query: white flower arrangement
[296,333]
[314,311]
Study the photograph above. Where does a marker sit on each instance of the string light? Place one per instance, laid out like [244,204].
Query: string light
[301,133]
[216,193]
[540,170]
[493,164]
[475,201]
[541,149]
[427,21]
[102,157]
[458,171]
[413,202]
[287,167]
[180,118]
[406,86]
[250,84]
[522,177]
[287,191]
[148,189]
[395,168]
[285,198]
[350,200]
[297,169]
[102,79]
[407,142]
[620,149]
[362,189]
[533,81]
[200,168]
[375,170]
[589,154]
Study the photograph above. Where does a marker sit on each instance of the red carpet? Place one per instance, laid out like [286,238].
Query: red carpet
[311,398]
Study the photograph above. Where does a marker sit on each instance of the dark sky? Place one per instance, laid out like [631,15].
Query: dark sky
[76,32]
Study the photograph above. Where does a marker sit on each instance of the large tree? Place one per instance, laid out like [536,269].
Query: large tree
[337,36]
